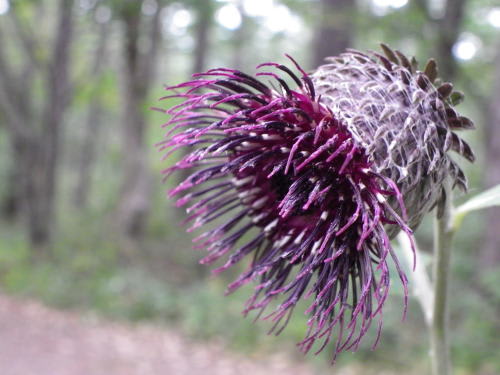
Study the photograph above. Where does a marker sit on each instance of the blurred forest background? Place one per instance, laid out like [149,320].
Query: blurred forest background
[84,219]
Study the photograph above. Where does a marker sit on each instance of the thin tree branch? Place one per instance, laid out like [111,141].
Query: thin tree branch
[27,39]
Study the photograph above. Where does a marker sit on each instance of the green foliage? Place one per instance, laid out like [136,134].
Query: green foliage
[104,89]
[486,199]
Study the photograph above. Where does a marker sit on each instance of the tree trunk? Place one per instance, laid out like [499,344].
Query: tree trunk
[203,28]
[45,155]
[139,66]
[335,28]
[18,110]
[92,129]
[240,40]
[448,30]
[11,208]
[36,149]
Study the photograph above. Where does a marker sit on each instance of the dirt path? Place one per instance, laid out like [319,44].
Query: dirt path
[36,340]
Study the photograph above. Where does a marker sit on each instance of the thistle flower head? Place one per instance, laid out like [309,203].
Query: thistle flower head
[310,176]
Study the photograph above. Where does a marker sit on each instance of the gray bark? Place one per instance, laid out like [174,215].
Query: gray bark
[241,38]
[42,212]
[138,70]
[335,28]
[93,126]
[448,30]
[36,148]
[11,205]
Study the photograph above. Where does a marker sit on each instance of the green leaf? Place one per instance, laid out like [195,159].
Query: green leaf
[486,199]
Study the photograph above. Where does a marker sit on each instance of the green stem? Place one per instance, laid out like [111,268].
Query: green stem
[443,236]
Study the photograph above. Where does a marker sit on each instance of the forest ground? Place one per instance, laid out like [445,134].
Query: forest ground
[37,340]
